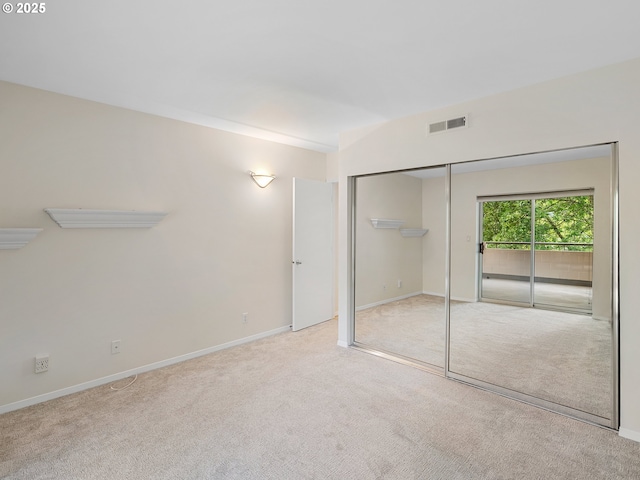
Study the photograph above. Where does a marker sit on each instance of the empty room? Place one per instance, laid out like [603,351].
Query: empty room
[288,240]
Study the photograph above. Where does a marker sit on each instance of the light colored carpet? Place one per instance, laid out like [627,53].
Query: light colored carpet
[295,406]
[551,294]
[559,357]
[413,327]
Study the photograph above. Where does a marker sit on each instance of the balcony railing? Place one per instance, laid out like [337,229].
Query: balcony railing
[565,246]
[551,263]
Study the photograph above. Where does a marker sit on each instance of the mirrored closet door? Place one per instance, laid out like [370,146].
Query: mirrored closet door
[400,245]
[500,273]
[531,303]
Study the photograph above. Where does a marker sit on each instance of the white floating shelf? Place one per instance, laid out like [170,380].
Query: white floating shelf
[81,218]
[14,238]
[413,232]
[385,223]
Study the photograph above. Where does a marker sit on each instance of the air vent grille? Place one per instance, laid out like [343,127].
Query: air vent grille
[445,125]
[456,123]
[437,127]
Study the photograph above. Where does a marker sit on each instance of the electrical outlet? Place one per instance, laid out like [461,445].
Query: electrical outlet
[115,347]
[42,363]
[399,283]
[384,287]
[245,317]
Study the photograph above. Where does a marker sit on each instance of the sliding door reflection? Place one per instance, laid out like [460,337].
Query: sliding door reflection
[506,250]
[400,246]
[538,251]
[564,252]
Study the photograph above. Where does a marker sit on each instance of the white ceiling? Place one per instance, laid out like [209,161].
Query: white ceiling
[299,71]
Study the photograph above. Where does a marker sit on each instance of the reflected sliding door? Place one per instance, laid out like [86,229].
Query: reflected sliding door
[506,250]
[538,251]
[563,266]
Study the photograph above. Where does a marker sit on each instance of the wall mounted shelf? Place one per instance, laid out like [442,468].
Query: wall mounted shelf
[413,232]
[81,218]
[386,223]
[14,238]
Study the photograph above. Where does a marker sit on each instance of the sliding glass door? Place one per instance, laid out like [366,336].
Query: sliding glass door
[538,251]
[564,252]
[505,249]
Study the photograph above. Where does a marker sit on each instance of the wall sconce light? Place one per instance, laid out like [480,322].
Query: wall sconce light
[262,180]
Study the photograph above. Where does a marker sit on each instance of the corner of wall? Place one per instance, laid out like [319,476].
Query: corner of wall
[629,434]
[333,167]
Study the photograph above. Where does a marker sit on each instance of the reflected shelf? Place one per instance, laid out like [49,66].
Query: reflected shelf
[386,223]
[413,232]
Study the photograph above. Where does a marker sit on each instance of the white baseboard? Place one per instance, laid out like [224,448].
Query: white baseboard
[457,299]
[433,294]
[382,302]
[388,300]
[630,434]
[135,371]
[465,300]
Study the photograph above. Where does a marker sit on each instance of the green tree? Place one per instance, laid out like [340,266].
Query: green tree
[558,220]
[507,221]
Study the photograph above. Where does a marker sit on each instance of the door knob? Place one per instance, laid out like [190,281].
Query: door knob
[297,262]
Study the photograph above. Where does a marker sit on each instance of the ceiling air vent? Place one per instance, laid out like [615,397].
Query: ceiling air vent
[445,125]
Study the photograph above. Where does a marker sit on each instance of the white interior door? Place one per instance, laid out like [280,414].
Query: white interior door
[312,252]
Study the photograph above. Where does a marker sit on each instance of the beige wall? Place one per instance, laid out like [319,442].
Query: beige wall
[594,107]
[384,256]
[223,249]
[434,243]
